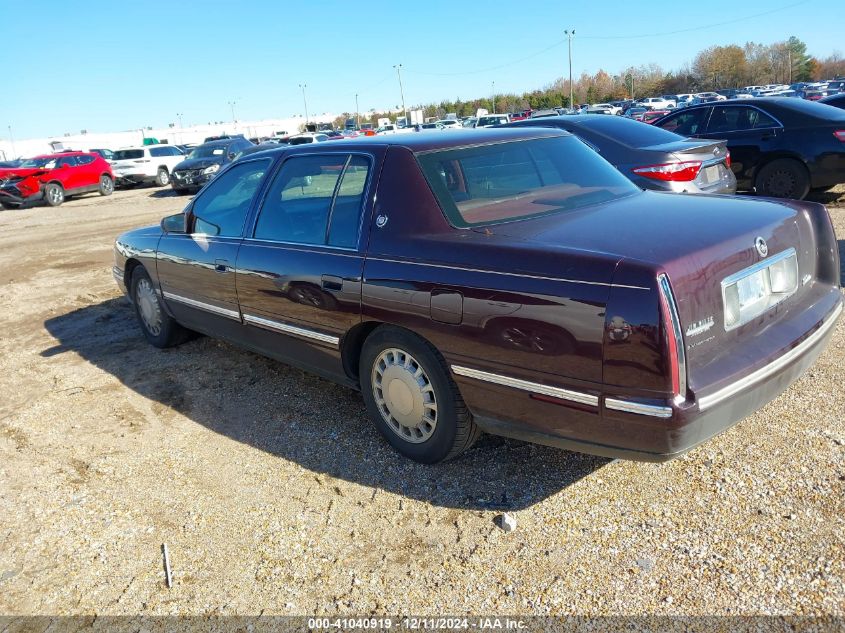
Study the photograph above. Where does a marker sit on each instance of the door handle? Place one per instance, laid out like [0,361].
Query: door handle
[330,282]
[221,266]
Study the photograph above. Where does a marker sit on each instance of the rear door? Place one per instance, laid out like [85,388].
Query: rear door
[69,173]
[750,134]
[299,271]
[196,269]
[89,173]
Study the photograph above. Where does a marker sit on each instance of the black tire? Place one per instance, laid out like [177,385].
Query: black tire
[783,178]
[54,194]
[162,177]
[159,328]
[453,430]
[106,187]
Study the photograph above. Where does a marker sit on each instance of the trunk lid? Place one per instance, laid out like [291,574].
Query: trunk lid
[698,240]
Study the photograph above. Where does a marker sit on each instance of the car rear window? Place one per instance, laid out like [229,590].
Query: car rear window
[128,154]
[491,184]
[628,132]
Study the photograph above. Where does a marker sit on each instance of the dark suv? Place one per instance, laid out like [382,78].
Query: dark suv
[204,162]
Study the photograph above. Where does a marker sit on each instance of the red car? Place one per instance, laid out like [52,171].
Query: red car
[55,177]
[651,116]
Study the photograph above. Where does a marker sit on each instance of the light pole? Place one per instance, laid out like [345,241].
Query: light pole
[12,141]
[357,113]
[179,116]
[398,68]
[304,102]
[570,35]
[494,97]
[232,105]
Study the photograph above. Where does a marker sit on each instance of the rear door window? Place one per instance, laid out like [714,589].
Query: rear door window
[128,154]
[86,159]
[738,118]
[316,200]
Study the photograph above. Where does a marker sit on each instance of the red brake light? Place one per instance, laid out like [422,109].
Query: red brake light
[675,172]
[840,135]
[674,339]
[728,159]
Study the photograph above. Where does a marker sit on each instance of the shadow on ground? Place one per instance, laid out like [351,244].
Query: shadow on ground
[168,192]
[304,419]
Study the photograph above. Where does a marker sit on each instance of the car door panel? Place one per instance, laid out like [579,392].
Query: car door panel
[196,269]
[299,276]
[750,135]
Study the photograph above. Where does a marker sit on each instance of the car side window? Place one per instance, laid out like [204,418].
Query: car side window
[687,123]
[66,161]
[157,152]
[315,200]
[738,118]
[85,160]
[223,205]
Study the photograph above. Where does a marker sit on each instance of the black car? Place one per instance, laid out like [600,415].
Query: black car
[837,101]
[780,147]
[650,157]
[204,162]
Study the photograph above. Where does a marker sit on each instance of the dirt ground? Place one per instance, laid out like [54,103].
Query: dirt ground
[275,495]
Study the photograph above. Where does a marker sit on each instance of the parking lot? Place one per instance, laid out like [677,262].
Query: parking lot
[275,495]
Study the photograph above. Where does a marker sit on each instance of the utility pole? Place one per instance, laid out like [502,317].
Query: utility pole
[357,113]
[179,116]
[494,97]
[232,105]
[398,68]
[12,141]
[570,35]
[304,102]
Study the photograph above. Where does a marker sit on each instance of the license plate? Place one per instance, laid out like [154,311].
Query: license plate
[711,174]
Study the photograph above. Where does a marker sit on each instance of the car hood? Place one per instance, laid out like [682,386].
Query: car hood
[199,163]
[655,227]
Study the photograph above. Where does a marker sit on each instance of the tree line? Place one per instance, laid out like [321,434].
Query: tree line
[714,68]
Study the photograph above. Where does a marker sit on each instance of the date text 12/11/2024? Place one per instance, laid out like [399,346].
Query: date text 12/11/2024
[411,623]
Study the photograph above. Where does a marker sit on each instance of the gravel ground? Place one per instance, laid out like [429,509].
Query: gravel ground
[276,496]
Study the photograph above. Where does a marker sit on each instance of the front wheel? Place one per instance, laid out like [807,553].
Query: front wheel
[411,398]
[783,178]
[106,185]
[159,328]
[54,194]
[162,177]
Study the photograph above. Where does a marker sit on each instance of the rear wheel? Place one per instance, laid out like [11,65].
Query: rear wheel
[54,194]
[162,177]
[159,328]
[106,185]
[411,398]
[783,178]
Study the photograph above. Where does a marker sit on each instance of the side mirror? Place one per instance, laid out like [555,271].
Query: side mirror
[177,223]
[232,156]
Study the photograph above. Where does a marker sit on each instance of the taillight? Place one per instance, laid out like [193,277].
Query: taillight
[674,339]
[840,135]
[675,172]
[728,158]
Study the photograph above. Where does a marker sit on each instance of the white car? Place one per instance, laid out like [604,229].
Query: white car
[307,137]
[491,120]
[657,103]
[150,163]
[603,108]
[450,124]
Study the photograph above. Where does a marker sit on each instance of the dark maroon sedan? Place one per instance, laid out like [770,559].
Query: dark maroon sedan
[505,280]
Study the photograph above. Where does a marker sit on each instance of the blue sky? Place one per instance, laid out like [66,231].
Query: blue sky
[109,66]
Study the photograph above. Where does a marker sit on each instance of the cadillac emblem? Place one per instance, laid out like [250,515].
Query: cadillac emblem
[761,246]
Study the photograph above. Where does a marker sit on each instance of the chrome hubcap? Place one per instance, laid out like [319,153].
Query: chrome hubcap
[163,177]
[55,194]
[148,307]
[404,395]
[107,184]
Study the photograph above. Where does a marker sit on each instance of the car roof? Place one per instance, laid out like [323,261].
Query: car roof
[448,139]
[61,154]
[787,109]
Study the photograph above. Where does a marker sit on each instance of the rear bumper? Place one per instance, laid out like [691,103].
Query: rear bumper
[132,179]
[653,431]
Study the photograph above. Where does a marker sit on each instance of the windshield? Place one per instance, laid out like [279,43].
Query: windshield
[490,184]
[41,162]
[207,151]
[128,154]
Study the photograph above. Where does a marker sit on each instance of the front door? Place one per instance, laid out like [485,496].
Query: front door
[299,271]
[196,269]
